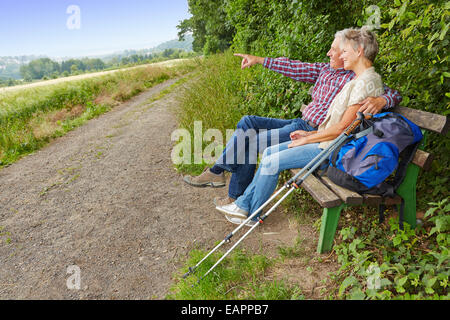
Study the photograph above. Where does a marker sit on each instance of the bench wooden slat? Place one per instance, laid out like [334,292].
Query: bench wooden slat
[423,159]
[324,196]
[373,200]
[348,196]
[426,120]
[353,198]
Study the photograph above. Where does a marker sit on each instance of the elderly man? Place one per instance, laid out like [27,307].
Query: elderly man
[328,79]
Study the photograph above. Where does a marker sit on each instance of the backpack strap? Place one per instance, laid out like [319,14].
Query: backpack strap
[401,215]
[363,133]
[381,216]
[336,151]
[407,156]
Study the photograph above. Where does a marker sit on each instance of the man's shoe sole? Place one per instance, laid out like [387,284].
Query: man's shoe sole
[206,184]
[240,221]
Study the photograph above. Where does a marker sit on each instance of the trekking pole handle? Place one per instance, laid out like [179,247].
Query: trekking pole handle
[361,117]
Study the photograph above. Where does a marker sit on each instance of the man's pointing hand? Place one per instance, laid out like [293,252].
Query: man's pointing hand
[249,60]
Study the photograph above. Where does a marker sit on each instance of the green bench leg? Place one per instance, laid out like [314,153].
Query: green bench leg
[407,191]
[330,219]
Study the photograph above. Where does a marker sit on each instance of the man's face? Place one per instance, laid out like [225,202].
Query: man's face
[335,55]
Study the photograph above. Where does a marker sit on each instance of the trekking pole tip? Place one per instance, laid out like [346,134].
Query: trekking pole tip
[191,270]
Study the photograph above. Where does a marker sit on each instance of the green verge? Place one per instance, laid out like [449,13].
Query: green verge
[240,276]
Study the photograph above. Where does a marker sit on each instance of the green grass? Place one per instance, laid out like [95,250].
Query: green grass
[239,276]
[215,99]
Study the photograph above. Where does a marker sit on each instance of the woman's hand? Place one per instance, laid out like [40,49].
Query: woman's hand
[372,105]
[298,142]
[299,134]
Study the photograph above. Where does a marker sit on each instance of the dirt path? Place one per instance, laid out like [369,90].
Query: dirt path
[107,199]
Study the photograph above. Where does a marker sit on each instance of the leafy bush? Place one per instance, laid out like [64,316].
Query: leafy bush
[384,262]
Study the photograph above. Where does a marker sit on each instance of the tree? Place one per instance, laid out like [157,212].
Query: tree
[93,64]
[67,65]
[40,68]
[209,26]
[73,69]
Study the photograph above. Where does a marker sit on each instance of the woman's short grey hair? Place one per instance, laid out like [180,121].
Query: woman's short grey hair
[361,38]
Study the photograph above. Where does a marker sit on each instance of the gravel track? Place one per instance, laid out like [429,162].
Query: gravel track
[106,198]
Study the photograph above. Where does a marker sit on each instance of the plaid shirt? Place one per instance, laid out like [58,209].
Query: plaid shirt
[328,82]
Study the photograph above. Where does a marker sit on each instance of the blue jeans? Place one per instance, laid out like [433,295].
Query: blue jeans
[275,159]
[252,136]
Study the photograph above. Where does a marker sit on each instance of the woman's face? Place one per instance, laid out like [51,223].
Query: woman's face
[349,55]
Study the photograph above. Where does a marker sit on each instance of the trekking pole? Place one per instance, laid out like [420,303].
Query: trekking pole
[292,184]
[228,237]
[324,154]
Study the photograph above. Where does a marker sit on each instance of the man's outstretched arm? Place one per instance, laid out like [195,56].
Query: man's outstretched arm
[374,105]
[297,70]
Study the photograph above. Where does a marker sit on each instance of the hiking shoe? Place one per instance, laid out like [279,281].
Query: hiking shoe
[206,179]
[233,210]
[219,202]
[235,220]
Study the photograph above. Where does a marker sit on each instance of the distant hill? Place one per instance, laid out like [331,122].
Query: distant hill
[10,66]
[185,45]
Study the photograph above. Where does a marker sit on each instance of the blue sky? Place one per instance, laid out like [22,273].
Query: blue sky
[40,26]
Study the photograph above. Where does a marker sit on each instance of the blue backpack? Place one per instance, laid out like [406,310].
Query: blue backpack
[364,161]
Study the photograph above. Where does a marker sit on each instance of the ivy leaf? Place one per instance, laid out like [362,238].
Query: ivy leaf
[447,207]
[397,240]
[349,281]
[444,32]
[429,283]
[400,268]
[402,281]
[430,211]
[357,294]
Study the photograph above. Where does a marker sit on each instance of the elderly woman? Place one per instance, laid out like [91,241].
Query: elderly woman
[360,48]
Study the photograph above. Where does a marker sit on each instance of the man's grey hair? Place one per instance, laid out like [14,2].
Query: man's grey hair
[360,38]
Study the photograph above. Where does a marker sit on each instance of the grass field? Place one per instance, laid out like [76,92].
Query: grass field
[31,117]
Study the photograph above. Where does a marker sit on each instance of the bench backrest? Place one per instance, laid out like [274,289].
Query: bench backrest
[427,121]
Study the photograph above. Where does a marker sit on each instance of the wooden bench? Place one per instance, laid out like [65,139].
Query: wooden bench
[334,198]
